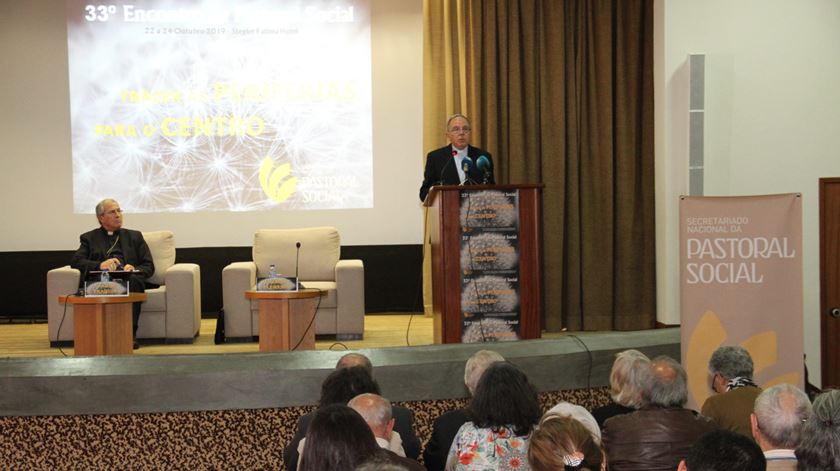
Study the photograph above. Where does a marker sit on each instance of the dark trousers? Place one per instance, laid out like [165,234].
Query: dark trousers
[136,285]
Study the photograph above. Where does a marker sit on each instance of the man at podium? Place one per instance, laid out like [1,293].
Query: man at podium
[459,163]
[112,248]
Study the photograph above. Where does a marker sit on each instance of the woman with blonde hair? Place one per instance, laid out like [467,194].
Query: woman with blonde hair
[627,379]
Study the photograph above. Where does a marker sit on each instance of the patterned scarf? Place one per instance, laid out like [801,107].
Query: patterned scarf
[739,382]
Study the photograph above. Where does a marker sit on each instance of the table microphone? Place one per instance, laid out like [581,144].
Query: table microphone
[81,290]
[297,260]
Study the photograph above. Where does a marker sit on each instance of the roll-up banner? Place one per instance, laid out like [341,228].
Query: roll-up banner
[741,284]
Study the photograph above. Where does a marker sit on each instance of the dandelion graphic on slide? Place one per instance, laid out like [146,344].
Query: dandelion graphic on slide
[276,181]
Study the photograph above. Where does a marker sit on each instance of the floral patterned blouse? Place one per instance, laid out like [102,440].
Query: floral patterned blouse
[480,449]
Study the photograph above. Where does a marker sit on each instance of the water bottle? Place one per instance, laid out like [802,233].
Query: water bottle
[272,271]
[105,277]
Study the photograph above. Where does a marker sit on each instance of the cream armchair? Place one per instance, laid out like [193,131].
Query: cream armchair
[171,313]
[342,310]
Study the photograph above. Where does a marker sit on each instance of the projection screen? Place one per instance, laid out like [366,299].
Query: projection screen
[369,196]
[219,106]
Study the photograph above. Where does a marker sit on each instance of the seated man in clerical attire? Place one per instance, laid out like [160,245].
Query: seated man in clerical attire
[112,247]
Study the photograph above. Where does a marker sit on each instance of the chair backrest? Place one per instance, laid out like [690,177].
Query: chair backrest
[162,246]
[320,249]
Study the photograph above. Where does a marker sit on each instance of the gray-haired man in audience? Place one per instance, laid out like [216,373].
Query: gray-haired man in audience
[659,435]
[731,370]
[777,422]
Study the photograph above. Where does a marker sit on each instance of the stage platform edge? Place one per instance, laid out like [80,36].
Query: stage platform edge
[173,383]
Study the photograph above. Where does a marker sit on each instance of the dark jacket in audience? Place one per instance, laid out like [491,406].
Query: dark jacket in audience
[652,438]
[731,410]
[403,424]
[407,463]
[612,409]
[444,430]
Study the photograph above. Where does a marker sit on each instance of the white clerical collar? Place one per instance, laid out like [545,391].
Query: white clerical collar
[779,454]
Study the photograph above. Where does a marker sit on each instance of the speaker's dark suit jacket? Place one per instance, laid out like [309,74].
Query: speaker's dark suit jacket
[403,424]
[441,169]
[93,250]
[444,430]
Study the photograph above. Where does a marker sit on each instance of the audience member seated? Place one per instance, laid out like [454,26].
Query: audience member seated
[723,450]
[659,435]
[376,410]
[403,418]
[339,387]
[777,423]
[731,369]
[628,370]
[502,414]
[446,426]
[574,411]
[819,445]
[338,439]
[562,442]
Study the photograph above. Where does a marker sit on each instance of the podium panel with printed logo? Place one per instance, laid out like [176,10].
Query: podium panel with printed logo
[485,241]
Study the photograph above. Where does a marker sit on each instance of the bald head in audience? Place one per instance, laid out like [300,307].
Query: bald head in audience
[667,385]
[404,436]
[376,410]
[659,435]
[355,359]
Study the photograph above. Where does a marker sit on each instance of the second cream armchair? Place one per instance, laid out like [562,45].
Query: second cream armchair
[342,309]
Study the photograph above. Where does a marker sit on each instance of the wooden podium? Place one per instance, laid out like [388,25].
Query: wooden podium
[102,325]
[447,204]
[284,319]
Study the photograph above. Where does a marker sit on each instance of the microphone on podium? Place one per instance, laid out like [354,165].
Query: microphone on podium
[466,166]
[486,167]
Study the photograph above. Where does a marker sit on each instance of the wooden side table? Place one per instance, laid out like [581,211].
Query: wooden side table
[284,319]
[102,325]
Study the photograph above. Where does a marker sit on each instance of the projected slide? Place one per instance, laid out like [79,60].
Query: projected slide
[183,106]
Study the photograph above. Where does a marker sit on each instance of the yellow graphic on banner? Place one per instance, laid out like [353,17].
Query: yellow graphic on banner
[277,182]
[708,336]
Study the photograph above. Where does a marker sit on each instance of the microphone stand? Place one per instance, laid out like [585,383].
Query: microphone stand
[297,260]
